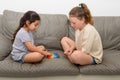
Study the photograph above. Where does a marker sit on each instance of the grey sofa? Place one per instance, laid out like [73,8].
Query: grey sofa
[52,28]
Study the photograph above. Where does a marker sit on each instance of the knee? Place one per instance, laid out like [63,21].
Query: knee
[76,56]
[76,53]
[63,39]
[38,57]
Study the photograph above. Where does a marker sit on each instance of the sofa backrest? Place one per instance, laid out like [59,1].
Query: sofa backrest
[54,26]
[51,30]
[0,23]
[109,28]
[49,33]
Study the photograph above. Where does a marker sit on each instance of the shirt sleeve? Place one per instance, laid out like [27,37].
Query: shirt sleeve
[25,37]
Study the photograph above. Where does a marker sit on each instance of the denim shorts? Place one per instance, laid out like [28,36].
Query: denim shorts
[21,60]
[93,61]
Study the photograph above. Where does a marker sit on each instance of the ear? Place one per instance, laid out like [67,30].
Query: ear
[27,22]
[83,20]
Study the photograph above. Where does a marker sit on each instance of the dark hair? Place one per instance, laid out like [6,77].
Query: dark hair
[80,12]
[31,16]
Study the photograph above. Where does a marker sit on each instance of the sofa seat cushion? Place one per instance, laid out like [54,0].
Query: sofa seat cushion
[110,64]
[59,66]
[5,47]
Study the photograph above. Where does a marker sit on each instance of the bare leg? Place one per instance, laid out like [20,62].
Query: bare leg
[67,43]
[33,57]
[81,58]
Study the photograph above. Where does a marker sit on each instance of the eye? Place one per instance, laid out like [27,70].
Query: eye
[36,24]
[73,22]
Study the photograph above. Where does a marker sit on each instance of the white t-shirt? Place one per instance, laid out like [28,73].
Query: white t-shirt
[88,40]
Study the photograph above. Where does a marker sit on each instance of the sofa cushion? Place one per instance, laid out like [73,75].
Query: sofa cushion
[49,33]
[71,33]
[59,66]
[109,28]
[10,23]
[0,23]
[110,64]
[5,47]
[51,30]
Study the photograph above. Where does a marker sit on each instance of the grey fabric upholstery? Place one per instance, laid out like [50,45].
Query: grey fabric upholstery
[59,66]
[109,28]
[110,65]
[0,23]
[5,47]
[10,23]
[71,33]
[49,32]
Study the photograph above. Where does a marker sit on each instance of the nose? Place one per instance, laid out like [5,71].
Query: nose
[72,25]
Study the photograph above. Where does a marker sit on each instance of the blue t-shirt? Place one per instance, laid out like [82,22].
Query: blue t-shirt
[19,48]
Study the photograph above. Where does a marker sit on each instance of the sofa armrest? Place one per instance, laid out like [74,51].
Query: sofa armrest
[5,47]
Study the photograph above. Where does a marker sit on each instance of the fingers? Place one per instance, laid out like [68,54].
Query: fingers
[46,53]
[42,48]
[68,52]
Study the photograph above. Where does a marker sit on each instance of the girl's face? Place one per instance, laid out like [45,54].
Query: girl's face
[77,23]
[33,25]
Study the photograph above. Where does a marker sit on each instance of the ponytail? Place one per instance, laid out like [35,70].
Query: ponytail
[82,11]
[19,27]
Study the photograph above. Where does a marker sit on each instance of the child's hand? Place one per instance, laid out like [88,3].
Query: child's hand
[42,48]
[46,53]
[68,51]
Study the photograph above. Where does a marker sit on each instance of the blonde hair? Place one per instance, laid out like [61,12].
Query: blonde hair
[80,12]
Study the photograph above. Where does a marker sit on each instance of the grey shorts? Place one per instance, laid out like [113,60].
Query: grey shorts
[18,57]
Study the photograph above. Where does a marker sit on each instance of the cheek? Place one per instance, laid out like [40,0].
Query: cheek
[76,25]
[79,25]
[31,27]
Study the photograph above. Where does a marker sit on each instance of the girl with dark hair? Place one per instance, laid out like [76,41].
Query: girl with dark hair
[87,48]
[24,50]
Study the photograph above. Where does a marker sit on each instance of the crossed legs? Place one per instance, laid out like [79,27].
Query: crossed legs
[76,56]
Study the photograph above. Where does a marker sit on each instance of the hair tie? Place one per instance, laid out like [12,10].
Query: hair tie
[80,6]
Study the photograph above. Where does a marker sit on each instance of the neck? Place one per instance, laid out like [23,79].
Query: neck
[25,28]
[83,26]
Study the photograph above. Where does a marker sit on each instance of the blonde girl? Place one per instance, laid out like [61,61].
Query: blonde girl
[87,48]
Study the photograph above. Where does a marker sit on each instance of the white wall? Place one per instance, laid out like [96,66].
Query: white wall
[97,7]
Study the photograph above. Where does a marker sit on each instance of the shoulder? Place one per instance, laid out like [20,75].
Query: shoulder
[22,32]
[90,29]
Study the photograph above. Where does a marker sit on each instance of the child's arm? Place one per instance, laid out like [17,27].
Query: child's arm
[34,48]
